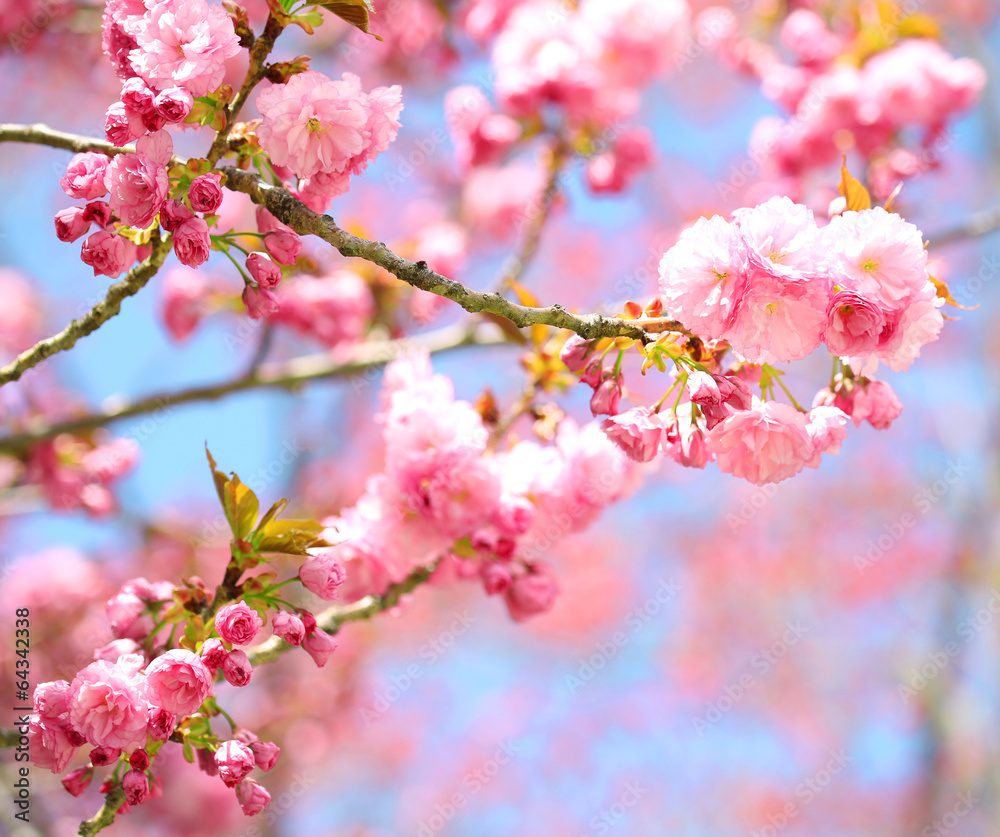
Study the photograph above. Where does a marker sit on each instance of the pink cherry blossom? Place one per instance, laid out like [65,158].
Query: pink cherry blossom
[183,43]
[767,443]
[480,134]
[704,276]
[84,176]
[238,623]
[77,781]
[71,223]
[265,754]
[496,577]
[174,104]
[531,593]
[825,426]
[322,575]
[854,324]
[105,253]
[289,627]
[252,797]
[173,214]
[138,187]
[236,668]
[205,192]
[234,760]
[192,242]
[178,681]
[183,302]
[135,783]
[259,302]
[639,432]
[319,645]
[876,403]
[107,706]
[52,744]
[213,653]
[161,723]
[615,169]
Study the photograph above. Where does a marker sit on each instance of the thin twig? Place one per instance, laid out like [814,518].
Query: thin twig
[332,618]
[975,226]
[289,375]
[93,319]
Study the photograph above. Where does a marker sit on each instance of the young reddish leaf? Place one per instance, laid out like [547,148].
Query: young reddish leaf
[355,12]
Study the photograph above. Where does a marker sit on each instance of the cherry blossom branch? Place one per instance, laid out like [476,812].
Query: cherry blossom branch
[289,375]
[261,48]
[291,211]
[39,134]
[93,319]
[975,226]
[106,816]
[332,618]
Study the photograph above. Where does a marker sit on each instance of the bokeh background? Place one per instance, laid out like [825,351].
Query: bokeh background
[816,658]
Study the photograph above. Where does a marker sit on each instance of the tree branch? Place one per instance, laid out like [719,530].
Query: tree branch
[975,226]
[93,319]
[332,618]
[286,375]
[304,221]
[106,816]
[39,134]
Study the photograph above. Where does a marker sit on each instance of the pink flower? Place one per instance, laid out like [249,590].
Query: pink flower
[767,443]
[876,403]
[135,783]
[71,223]
[319,645]
[84,176]
[51,700]
[173,214]
[115,40]
[98,212]
[51,745]
[265,754]
[531,593]
[252,797]
[685,439]
[607,395]
[236,668]
[183,44]
[289,627]
[136,96]
[77,781]
[717,395]
[183,301]
[161,723]
[703,277]
[103,756]
[574,353]
[205,192]
[174,104]
[614,170]
[322,575]
[213,653]
[825,426]
[496,577]
[854,324]
[312,123]
[121,126]
[264,271]
[138,187]
[259,302]
[108,707]
[125,614]
[781,239]
[105,253]
[333,309]
[191,242]
[178,681]
[480,134]
[639,432]
[283,245]
[117,648]
[234,760]
[237,623]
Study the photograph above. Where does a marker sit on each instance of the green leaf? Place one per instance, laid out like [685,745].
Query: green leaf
[291,537]
[355,12]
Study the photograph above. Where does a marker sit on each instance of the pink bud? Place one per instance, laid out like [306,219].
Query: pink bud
[260,302]
[237,668]
[101,756]
[496,577]
[122,126]
[206,762]
[136,96]
[71,223]
[574,353]
[192,242]
[283,245]
[308,621]
[205,192]
[639,432]
[322,575]
[531,593]
[139,759]
[319,645]
[136,787]
[605,399]
[265,754]
[234,760]
[238,623]
[264,271]
[173,214]
[98,212]
[161,724]
[252,797]
[593,373]
[77,781]
[84,176]
[105,253]
[213,653]
[289,627]
[174,104]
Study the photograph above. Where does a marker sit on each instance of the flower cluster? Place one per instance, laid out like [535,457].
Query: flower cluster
[445,497]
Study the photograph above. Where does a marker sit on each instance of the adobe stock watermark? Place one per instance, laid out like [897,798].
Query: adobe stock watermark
[473,782]
[761,663]
[964,805]
[606,650]
[614,815]
[280,805]
[805,792]
[759,497]
[430,652]
[923,501]
[922,675]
